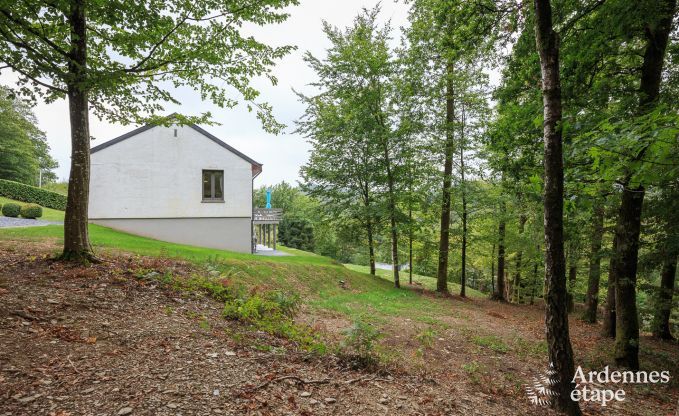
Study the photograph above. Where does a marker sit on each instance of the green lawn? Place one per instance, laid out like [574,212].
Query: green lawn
[107,238]
[315,277]
[427,282]
[48,214]
[58,187]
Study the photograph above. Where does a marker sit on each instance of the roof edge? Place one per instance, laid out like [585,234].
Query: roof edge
[197,128]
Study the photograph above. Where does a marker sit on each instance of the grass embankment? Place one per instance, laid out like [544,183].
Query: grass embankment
[58,187]
[426,282]
[323,283]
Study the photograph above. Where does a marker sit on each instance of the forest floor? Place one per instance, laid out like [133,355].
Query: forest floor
[98,340]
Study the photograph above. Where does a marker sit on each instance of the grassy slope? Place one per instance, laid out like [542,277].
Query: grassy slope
[427,282]
[58,187]
[316,277]
[48,214]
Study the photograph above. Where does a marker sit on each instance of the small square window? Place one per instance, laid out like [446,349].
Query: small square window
[213,185]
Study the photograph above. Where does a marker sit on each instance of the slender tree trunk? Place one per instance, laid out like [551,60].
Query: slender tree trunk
[76,237]
[519,255]
[572,275]
[392,215]
[492,271]
[535,280]
[410,245]
[371,246]
[499,293]
[442,276]
[609,309]
[629,221]
[463,276]
[556,316]
[592,298]
[661,320]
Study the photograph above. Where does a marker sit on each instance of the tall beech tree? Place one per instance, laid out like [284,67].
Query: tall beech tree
[351,125]
[448,36]
[122,59]
[657,30]
[556,316]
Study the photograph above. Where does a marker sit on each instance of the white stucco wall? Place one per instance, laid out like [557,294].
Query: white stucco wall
[231,234]
[156,175]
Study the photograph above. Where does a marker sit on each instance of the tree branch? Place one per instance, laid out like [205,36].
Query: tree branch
[29,28]
[34,79]
[563,31]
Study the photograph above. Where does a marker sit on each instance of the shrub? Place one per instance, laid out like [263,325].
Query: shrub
[357,349]
[296,233]
[31,194]
[32,211]
[11,209]
[273,312]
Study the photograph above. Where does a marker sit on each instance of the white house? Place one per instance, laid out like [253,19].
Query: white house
[178,183]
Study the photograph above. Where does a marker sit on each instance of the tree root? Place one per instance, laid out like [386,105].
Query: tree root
[84,257]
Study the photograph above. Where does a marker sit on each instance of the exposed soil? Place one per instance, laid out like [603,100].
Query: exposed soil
[98,341]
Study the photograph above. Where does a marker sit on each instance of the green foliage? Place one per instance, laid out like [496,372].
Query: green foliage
[23,147]
[357,349]
[11,210]
[31,211]
[131,74]
[297,233]
[426,337]
[27,193]
[350,125]
[273,312]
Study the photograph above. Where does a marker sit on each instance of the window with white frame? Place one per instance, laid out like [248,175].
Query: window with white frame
[213,185]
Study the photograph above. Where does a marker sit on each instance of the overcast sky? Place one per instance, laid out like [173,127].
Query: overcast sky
[281,155]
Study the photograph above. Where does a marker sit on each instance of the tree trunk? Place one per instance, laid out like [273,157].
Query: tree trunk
[499,293]
[592,298]
[492,271]
[410,245]
[519,255]
[371,246]
[629,221]
[556,316]
[661,321]
[463,275]
[609,308]
[627,321]
[392,215]
[535,280]
[442,275]
[572,275]
[76,237]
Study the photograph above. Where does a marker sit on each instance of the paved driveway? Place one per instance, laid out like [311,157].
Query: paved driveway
[6,222]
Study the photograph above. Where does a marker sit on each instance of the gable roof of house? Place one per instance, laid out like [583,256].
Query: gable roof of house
[193,126]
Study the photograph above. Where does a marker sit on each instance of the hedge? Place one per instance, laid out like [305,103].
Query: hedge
[11,209]
[31,211]
[27,193]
